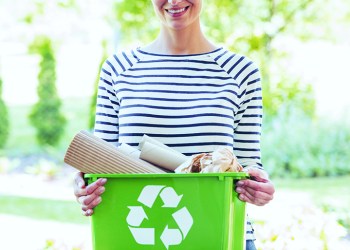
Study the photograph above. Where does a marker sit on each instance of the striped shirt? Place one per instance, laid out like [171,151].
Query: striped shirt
[192,103]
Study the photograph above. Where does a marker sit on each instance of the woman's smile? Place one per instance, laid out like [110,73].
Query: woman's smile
[177,12]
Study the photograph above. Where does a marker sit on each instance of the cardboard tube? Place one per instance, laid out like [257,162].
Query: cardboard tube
[161,156]
[151,140]
[128,150]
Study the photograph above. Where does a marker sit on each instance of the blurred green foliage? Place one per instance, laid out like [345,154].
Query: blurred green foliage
[295,145]
[40,7]
[46,116]
[94,96]
[4,120]
[22,143]
[289,96]
[42,209]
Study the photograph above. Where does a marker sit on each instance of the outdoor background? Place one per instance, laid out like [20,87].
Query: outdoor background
[50,57]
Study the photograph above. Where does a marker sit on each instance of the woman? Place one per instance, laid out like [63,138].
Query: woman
[186,92]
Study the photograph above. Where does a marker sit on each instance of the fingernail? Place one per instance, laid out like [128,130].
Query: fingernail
[239,190]
[103,181]
[240,183]
[98,200]
[101,190]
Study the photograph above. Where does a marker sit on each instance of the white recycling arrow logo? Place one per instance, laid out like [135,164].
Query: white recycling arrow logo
[169,236]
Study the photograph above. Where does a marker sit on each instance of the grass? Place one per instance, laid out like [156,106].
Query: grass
[325,191]
[330,192]
[41,209]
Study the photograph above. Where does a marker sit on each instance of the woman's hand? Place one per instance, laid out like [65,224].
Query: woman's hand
[88,196]
[258,190]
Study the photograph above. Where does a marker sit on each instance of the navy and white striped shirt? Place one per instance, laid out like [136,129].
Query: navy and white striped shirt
[192,103]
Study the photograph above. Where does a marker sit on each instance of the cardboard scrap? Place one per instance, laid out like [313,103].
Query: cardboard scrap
[90,154]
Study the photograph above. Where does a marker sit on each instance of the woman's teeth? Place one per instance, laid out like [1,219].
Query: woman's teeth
[176,11]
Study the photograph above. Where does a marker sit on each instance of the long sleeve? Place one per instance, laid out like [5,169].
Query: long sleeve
[248,121]
[107,107]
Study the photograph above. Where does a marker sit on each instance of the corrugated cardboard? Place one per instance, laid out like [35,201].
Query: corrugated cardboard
[90,154]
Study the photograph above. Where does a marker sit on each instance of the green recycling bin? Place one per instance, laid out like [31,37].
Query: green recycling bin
[169,211]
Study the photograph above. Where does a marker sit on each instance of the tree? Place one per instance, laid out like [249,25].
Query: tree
[45,115]
[4,120]
[94,96]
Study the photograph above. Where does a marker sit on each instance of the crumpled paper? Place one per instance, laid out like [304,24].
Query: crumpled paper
[220,160]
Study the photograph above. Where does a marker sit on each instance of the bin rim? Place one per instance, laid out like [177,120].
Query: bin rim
[235,175]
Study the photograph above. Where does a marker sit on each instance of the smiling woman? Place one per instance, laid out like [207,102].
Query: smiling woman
[187,93]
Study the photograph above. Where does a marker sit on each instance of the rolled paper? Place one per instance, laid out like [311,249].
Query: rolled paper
[129,150]
[90,154]
[146,138]
[161,156]
[181,157]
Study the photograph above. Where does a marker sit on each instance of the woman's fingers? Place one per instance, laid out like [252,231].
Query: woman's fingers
[88,196]
[94,202]
[252,200]
[79,185]
[258,191]
[83,191]
[256,173]
[88,212]
[87,200]
[92,194]
[79,180]
[258,194]
[255,186]
[253,196]
[95,185]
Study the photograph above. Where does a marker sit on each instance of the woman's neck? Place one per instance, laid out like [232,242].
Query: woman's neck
[180,42]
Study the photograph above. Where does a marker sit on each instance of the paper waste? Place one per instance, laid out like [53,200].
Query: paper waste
[90,154]
[220,160]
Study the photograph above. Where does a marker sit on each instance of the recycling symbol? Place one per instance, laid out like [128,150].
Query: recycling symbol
[169,236]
